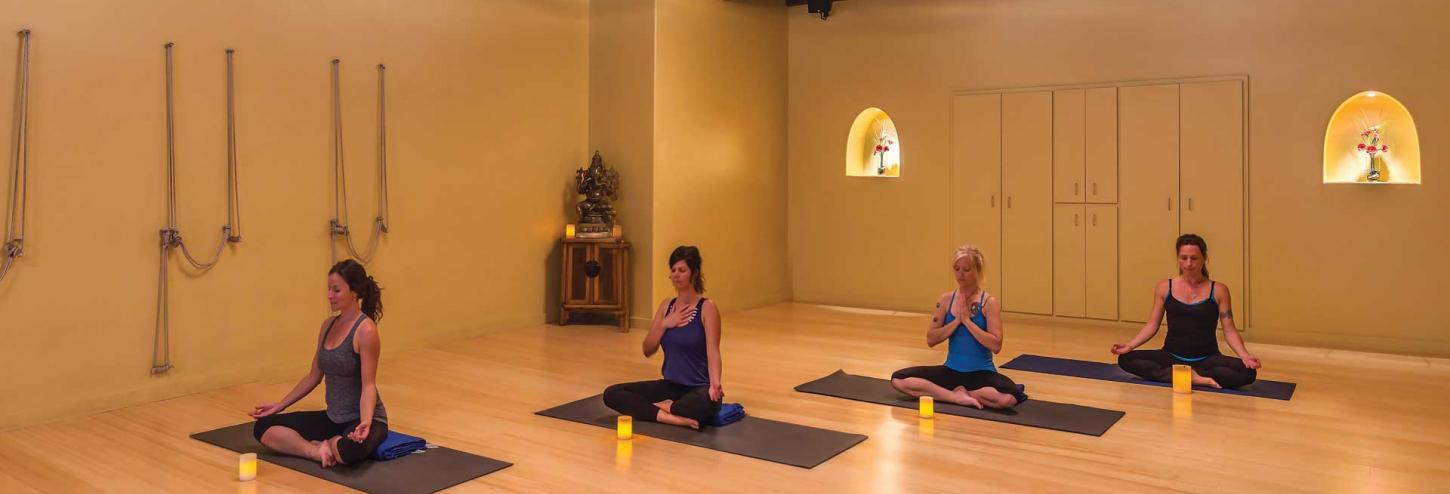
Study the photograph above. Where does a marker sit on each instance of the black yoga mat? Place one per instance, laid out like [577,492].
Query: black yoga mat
[765,439]
[1033,412]
[1111,372]
[431,471]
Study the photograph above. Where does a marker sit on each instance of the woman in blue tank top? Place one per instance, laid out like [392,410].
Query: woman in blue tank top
[355,421]
[1193,317]
[688,328]
[970,321]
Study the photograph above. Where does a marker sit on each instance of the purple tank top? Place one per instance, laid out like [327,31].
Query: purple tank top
[686,361]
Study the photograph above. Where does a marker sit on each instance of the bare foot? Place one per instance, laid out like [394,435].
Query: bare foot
[324,454]
[665,405]
[1205,381]
[668,418]
[961,397]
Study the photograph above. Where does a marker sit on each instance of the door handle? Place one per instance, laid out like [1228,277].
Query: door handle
[1095,219]
[1095,188]
[1170,203]
[1074,189]
[1190,204]
[1009,202]
[1074,219]
[994,200]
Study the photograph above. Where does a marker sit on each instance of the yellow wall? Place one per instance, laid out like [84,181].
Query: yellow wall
[1329,265]
[719,177]
[488,105]
[621,126]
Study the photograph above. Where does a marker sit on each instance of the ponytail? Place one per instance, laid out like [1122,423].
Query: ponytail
[369,294]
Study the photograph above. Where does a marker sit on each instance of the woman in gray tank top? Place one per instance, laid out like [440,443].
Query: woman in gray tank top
[355,421]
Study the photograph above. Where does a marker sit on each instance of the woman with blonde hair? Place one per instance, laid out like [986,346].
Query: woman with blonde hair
[970,320]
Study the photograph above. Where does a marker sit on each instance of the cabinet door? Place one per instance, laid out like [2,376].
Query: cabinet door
[1148,199]
[606,284]
[1067,146]
[1213,178]
[1069,260]
[1027,186]
[977,180]
[1101,134]
[1102,261]
[576,282]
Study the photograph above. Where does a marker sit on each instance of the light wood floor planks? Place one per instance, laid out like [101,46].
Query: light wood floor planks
[1358,422]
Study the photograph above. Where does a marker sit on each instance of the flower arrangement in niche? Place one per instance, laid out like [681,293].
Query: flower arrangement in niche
[1370,144]
[883,146]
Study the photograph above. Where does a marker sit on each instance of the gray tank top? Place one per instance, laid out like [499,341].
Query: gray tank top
[342,371]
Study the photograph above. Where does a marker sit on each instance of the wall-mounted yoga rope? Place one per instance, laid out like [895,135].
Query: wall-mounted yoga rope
[171,236]
[338,225]
[14,245]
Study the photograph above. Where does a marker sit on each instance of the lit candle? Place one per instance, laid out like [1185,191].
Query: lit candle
[926,407]
[247,468]
[1182,379]
[569,230]
[616,231]
[625,429]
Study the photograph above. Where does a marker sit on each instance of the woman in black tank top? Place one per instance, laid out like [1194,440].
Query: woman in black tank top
[1195,305]
[355,422]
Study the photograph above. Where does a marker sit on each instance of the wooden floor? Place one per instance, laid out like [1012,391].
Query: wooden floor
[1358,422]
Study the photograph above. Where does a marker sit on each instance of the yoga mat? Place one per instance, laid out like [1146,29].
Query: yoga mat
[765,439]
[1032,413]
[434,470]
[1111,372]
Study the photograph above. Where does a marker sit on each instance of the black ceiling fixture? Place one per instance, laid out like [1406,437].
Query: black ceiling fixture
[822,7]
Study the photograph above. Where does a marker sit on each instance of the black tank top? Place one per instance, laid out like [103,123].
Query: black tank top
[1191,327]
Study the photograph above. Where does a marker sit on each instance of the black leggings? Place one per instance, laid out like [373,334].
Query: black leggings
[1157,365]
[315,426]
[949,379]
[638,400]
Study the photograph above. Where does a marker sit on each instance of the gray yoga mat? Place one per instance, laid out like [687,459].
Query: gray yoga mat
[765,439]
[1033,412]
[431,471]
[1262,388]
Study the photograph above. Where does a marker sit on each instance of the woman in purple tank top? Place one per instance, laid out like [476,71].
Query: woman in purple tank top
[355,421]
[687,326]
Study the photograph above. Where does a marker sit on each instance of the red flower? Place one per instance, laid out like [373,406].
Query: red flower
[888,148]
[1385,148]
[1372,149]
[878,148]
[1361,145]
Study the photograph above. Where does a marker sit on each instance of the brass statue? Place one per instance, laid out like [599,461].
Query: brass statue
[598,185]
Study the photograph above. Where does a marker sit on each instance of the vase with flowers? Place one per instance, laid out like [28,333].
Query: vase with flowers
[883,146]
[1371,144]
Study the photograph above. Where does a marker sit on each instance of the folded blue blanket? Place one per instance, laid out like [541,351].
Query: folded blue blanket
[398,445]
[729,413]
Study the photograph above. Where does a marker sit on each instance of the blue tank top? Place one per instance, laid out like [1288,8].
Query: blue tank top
[964,352]
[686,361]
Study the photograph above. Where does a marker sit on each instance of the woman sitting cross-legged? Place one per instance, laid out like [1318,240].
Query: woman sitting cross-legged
[970,320]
